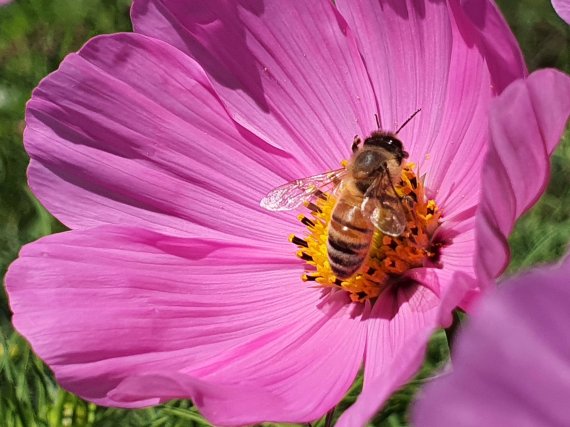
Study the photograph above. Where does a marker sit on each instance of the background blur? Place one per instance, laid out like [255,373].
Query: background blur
[34,37]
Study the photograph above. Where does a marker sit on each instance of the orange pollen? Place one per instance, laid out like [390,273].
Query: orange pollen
[388,258]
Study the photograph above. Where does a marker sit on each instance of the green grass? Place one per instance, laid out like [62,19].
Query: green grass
[34,37]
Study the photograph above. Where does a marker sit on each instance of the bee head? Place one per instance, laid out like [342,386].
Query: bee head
[388,142]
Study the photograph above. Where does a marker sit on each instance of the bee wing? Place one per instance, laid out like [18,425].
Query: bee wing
[383,206]
[292,195]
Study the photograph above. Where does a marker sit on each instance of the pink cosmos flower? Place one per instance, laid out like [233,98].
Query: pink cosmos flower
[511,363]
[562,8]
[156,147]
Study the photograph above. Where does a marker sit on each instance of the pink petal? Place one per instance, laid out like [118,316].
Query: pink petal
[111,305]
[129,131]
[511,362]
[502,52]
[422,55]
[407,48]
[401,313]
[289,72]
[402,369]
[306,375]
[399,329]
[527,122]
[562,8]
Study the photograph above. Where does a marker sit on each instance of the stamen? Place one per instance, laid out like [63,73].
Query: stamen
[389,258]
[306,221]
[414,182]
[313,207]
[305,256]
[321,195]
[297,241]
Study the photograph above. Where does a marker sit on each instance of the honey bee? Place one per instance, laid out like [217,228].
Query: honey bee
[366,199]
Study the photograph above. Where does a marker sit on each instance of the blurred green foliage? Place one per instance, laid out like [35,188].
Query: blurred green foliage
[34,37]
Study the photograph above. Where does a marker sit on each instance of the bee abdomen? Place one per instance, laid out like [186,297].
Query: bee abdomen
[345,256]
[350,226]
[347,246]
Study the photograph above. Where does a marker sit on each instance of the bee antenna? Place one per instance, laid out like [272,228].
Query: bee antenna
[408,121]
[377,120]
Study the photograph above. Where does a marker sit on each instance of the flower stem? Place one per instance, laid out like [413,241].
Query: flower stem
[452,330]
[329,417]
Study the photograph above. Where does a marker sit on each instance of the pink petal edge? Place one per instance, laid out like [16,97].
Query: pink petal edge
[527,121]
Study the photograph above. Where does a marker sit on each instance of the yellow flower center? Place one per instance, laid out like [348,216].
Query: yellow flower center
[388,258]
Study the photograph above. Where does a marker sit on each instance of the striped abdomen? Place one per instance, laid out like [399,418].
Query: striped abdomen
[349,237]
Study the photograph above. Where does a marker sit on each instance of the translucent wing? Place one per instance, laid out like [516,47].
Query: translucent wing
[292,195]
[383,206]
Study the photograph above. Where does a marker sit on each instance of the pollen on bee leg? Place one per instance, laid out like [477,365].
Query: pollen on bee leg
[389,257]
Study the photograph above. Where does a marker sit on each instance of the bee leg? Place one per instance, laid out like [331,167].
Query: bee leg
[355,143]
[387,171]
